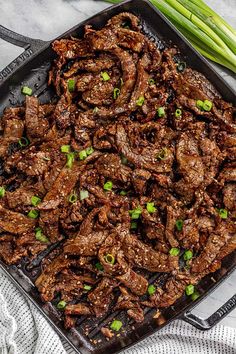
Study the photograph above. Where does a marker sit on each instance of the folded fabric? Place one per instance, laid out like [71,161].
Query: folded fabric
[23,330]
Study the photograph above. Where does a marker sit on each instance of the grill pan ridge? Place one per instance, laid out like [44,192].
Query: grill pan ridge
[31,69]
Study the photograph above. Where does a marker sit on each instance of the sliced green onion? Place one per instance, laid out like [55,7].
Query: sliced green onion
[189,289]
[65,148]
[140,101]
[179,225]
[82,155]
[109,258]
[87,287]
[161,112]
[61,305]
[73,198]
[105,76]
[195,296]
[95,110]
[199,104]
[181,66]
[70,159]
[178,112]
[39,235]
[121,82]
[135,213]
[151,290]
[71,85]
[33,214]
[123,193]
[35,200]
[2,192]
[163,154]
[174,251]
[223,213]
[99,266]
[116,93]
[133,225]
[116,325]
[83,194]
[151,81]
[150,207]
[26,91]
[89,150]
[207,105]
[23,142]
[108,186]
[188,255]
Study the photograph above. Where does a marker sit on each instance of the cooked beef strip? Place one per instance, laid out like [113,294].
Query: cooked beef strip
[15,223]
[134,175]
[36,126]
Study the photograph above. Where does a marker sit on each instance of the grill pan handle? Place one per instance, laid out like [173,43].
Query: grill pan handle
[211,321]
[30,45]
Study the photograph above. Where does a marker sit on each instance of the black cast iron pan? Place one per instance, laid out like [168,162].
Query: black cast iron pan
[31,69]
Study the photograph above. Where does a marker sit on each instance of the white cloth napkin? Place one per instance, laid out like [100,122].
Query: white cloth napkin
[23,330]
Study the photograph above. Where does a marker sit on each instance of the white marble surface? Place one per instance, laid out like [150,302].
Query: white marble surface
[45,19]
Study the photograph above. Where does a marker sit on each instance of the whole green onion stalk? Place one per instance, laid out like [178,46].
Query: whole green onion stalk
[212,36]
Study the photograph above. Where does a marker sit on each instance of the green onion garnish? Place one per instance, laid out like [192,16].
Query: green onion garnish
[140,101]
[65,148]
[223,213]
[83,194]
[135,213]
[95,110]
[73,198]
[151,208]
[151,290]
[108,186]
[89,150]
[189,289]
[26,91]
[207,105]
[99,266]
[178,112]
[116,325]
[161,112]
[2,192]
[179,225]
[181,66]
[174,251]
[82,155]
[61,305]
[39,235]
[188,255]
[123,193]
[33,214]
[70,159]
[105,76]
[151,82]
[195,296]
[71,85]
[35,200]
[109,258]
[23,142]
[163,153]
[87,287]
[133,225]
[116,93]
[199,104]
